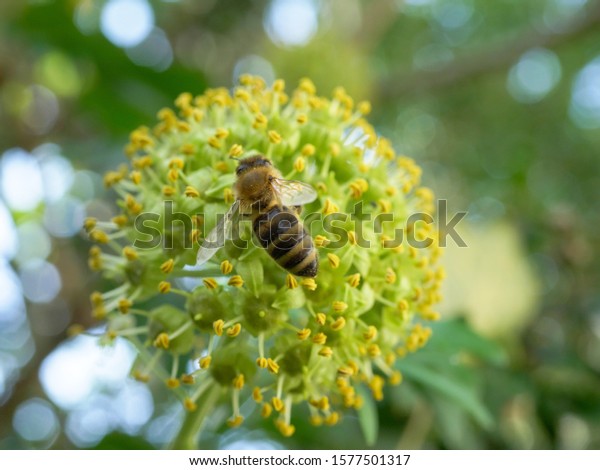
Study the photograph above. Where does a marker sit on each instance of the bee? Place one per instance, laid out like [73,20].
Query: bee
[273,205]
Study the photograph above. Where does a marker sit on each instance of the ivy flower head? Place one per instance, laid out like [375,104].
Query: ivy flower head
[251,328]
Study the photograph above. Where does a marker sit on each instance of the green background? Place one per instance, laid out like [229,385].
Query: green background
[499,102]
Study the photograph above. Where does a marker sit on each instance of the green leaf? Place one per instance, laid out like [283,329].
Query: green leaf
[457,392]
[456,335]
[367,416]
[251,270]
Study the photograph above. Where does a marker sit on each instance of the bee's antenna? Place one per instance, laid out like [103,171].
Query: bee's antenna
[234,158]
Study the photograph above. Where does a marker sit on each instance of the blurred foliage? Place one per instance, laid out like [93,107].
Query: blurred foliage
[499,133]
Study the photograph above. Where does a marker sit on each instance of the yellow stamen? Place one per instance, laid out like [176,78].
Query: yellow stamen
[218,326]
[303,334]
[234,330]
[164,287]
[236,281]
[334,260]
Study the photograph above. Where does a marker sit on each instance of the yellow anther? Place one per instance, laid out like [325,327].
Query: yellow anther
[299,164]
[384,205]
[339,306]
[326,351]
[373,350]
[187,379]
[274,137]
[164,287]
[303,334]
[168,191]
[257,395]
[321,403]
[188,149]
[184,100]
[173,383]
[353,280]
[197,115]
[176,163]
[376,386]
[266,410]
[301,118]
[242,94]
[358,187]
[390,276]
[125,305]
[308,150]
[221,133]
[403,306]
[228,196]
[370,334]
[226,267]
[262,362]
[330,207]
[319,338]
[120,220]
[364,108]
[277,404]
[236,281]
[306,85]
[316,420]
[338,324]
[272,366]
[332,419]
[189,405]
[99,236]
[395,378]
[167,266]
[130,253]
[210,283]
[173,175]
[96,298]
[260,121]
[352,237]
[195,235]
[236,150]
[291,282]
[235,422]
[205,362]
[278,85]
[321,318]
[214,142]
[223,167]
[140,376]
[334,260]
[309,283]
[238,382]
[191,192]
[218,326]
[89,224]
[162,341]
[142,162]
[431,316]
[234,330]
[321,241]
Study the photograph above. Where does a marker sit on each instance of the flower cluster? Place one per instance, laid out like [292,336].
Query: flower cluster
[248,327]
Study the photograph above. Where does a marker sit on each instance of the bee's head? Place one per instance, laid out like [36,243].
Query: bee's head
[250,163]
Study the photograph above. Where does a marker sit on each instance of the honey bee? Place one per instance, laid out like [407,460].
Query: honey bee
[272,204]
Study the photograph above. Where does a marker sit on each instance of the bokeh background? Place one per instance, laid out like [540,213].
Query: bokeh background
[499,102]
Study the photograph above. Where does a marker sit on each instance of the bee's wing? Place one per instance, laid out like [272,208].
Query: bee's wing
[217,236]
[293,193]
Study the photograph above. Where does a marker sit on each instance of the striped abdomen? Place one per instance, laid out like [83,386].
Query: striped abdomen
[279,231]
